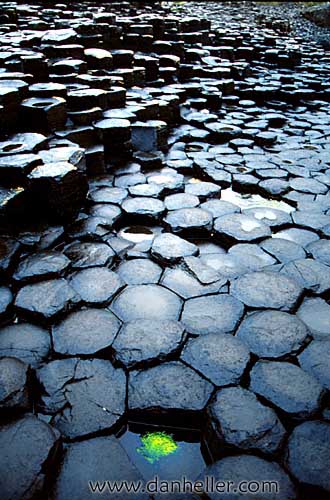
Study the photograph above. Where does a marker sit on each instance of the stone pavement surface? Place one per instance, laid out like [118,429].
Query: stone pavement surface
[165,244]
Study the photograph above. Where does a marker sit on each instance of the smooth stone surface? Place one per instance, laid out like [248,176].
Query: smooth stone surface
[286,386]
[189,218]
[41,266]
[169,247]
[85,396]
[321,251]
[89,254]
[96,285]
[315,360]
[143,206]
[266,290]
[315,313]
[146,302]
[165,387]
[13,384]
[213,314]
[241,227]
[272,334]
[186,285]
[85,332]
[220,358]
[29,343]
[240,420]
[144,340]
[311,274]
[6,298]
[283,250]
[139,272]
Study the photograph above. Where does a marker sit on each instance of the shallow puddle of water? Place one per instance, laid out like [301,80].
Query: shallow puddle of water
[244,201]
[137,234]
[164,452]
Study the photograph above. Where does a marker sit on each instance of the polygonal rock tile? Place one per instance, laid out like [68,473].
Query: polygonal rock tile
[265,289]
[96,285]
[219,208]
[308,454]
[47,298]
[143,340]
[283,250]
[86,254]
[302,237]
[29,343]
[272,334]
[6,298]
[189,219]
[213,314]
[220,358]
[26,446]
[168,247]
[13,384]
[315,313]
[286,386]
[41,266]
[240,420]
[250,468]
[186,285]
[311,274]
[9,249]
[85,396]
[93,459]
[241,227]
[143,206]
[85,332]
[165,387]
[139,271]
[270,216]
[181,200]
[315,360]
[146,302]
[320,250]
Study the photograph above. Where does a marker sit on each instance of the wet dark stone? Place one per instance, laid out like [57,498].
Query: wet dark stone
[189,219]
[93,459]
[315,313]
[6,298]
[213,314]
[139,272]
[115,195]
[146,302]
[142,341]
[26,446]
[170,248]
[89,254]
[106,211]
[84,396]
[266,290]
[315,360]
[14,393]
[96,285]
[283,250]
[272,334]
[15,168]
[286,386]
[41,266]
[308,454]
[250,468]
[46,299]
[241,227]
[165,387]
[239,419]
[9,250]
[85,332]
[29,343]
[186,285]
[222,359]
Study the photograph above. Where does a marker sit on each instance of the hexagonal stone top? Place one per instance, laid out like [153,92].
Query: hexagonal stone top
[267,290]
[96,285]
[189,218]
[139,271]
[220,358]
[241,227]
[286,386]
[169,248]
[272,334]
[85,396]
[143,340]
[166,386]
[213,314]
[315,313]
[85,332]
[143,206]
[24,341]
[315,360]
[146,302]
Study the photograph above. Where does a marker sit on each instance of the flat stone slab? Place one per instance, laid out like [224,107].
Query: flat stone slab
[189,219]
[85,332]
[219,208]
[26,445]
[308,454]
[96,285]
[165,387]
[47,298]
[143,206]
[270,216]
[24,341]
[286,386]
[139,272]
[315,360]
[272,334]
[266,290]
[146,302]
[6,298]
[241,227]
[321,251]
[169,247]
[315,313]
[84,396]
[87,254]
[93,459]
[283,250]
[41,266]
[181,200]
[311,274]
[239,419]
[14,392]
[144,340]
[220,358]
[213,314]
[186,285]
[250,468]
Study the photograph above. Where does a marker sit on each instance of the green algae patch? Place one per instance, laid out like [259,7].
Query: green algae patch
[156,445]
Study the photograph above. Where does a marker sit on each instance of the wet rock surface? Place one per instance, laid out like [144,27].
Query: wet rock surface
[164,249]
